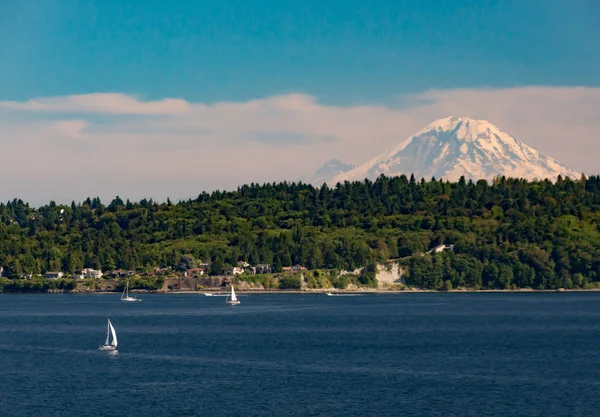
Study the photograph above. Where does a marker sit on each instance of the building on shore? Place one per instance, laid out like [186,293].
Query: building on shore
[91,273]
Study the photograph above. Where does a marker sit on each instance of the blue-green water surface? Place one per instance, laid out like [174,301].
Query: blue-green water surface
[302,355]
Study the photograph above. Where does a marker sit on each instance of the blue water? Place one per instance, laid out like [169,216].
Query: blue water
[302,355]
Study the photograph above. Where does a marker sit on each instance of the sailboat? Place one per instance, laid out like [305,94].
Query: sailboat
[125,296]
[231,298]
[110,331]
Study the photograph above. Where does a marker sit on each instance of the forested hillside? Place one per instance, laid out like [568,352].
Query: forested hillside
[506,234]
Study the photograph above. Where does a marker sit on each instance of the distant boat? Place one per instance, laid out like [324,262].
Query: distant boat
[126,297]
[110,331]
[215,294]
[232,299]
[342,294]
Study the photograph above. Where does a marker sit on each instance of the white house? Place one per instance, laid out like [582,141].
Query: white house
[234,271]
[91,273]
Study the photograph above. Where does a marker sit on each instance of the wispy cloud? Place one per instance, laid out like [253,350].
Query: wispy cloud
[108,144]
[110,103]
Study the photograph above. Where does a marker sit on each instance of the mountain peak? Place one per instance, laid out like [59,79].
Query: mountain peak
[466,128]
[460,146]
[329,170]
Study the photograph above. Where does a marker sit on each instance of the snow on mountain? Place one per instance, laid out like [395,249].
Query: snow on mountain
[328,171]
[455,146]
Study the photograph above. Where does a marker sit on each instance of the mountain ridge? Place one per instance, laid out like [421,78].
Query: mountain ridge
[329,170]
[457,146]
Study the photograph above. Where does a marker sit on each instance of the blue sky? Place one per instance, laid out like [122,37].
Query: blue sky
[112,89]
[345,51]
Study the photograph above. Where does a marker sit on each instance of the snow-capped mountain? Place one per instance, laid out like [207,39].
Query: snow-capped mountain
[455,146]
[328,171]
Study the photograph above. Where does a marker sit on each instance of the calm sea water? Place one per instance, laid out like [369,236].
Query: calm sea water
[302,355]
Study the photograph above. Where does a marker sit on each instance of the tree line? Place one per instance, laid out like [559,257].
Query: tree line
[507,233]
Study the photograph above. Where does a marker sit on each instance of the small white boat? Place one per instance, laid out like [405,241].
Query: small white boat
[232,299]
[126,297]
[342,294]
[209,294]
[109,345]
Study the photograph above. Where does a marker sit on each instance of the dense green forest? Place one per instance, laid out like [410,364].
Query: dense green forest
[506,234]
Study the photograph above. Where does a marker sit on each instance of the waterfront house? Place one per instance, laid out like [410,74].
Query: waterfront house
[194,272]
[297,268]
[234,271]
[53,275]
[91,273]
[263,269]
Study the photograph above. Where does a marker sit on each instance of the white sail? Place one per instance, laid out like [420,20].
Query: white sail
[231,298]
[114,335]
[125,295]
[107,334]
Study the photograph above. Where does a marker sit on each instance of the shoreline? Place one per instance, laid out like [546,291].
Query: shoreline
[320,291]
[383,291]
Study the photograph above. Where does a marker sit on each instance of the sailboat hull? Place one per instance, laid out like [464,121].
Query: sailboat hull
[130,299]
[232,302]
[106,348]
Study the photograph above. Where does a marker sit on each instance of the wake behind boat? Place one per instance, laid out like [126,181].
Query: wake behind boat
[232,299]
[109,345]
[126,297]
